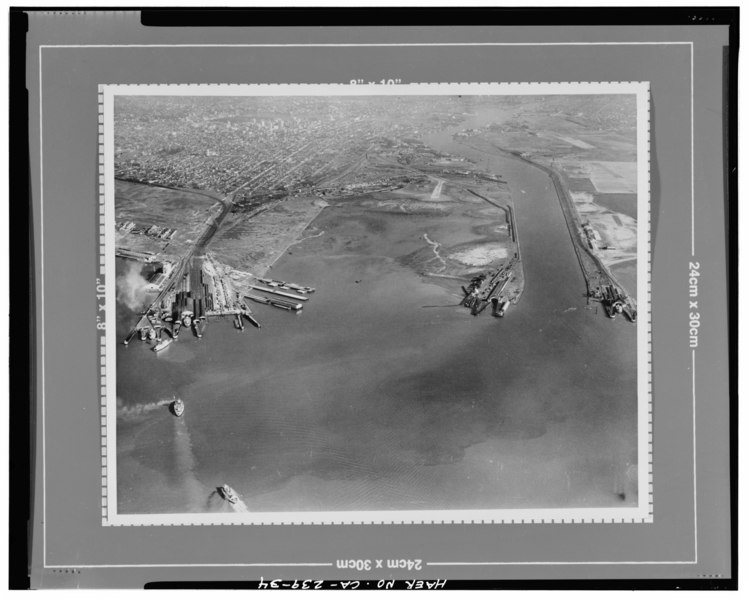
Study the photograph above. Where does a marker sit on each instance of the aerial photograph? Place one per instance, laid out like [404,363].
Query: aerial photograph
[375,302]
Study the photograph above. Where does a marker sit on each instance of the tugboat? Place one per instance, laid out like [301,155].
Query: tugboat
[228,494]
[178,407]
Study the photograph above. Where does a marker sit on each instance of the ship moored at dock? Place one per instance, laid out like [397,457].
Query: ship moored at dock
[277,302]
[287,286]
[199,287]
[165,342]
[615,302]
[278,292]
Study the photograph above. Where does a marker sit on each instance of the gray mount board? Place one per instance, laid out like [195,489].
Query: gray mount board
[71,55]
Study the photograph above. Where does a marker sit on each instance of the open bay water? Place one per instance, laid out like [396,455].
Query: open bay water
[367,400]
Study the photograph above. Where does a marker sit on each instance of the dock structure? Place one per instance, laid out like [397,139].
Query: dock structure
[139,255]
[286,286]
[141,324]
[247,315]
[513,227]
[199,326]
[277,302]
[615,302]
[483,290]
[199,287]
[278,292]
[596,274]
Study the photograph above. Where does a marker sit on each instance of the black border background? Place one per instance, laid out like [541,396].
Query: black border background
[22,328]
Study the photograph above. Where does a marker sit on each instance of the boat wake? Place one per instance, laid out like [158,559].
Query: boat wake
[217,503]
[141,409]
[193,491]
[239,507]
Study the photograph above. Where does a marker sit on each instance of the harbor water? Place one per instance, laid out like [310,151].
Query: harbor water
[383,393]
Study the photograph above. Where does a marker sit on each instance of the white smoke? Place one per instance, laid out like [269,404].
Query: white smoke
[131,287]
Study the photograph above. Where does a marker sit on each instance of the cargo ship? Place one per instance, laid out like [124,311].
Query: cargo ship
[286,285]
[483,289]
[162,344]
[178,407]
[228,494]
[612,309]
[198,326]
[247,315]
[277,302]
[614,301]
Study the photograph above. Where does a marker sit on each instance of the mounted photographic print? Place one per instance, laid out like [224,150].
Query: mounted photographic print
[376,303]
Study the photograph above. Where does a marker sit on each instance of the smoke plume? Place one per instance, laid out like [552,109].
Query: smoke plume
[131,287]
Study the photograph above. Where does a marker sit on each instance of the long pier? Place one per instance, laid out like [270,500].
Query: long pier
[140,255]
[278,292]
[517,261]
[277,302]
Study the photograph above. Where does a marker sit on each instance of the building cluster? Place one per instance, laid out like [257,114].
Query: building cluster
[164,233]
[592,237]
[159,277]
[251,145]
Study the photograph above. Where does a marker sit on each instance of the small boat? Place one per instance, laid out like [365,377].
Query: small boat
[228,494]
[178,407]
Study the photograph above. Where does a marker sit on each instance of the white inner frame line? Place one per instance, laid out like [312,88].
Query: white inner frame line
[42,303]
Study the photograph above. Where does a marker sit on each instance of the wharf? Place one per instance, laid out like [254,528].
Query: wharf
[483,290]
[304,289]
[198,287]
[277,302]
[278,292]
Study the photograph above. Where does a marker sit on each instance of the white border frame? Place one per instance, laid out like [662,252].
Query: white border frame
[639,514]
